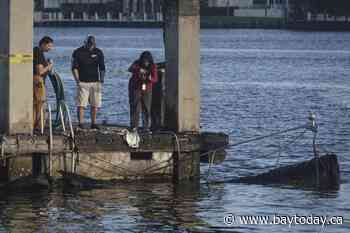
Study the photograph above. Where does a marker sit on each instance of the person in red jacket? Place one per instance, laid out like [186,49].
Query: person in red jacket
[144,75]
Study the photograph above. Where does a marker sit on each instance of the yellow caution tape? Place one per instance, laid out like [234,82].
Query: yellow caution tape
[18,58]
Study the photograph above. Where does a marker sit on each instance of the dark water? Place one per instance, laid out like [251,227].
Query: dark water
[253,83]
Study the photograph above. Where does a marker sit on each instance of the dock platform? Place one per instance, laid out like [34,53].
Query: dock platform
[106,155]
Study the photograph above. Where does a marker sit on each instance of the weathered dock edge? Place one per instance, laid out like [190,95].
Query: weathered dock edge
[97,141]
[105,154]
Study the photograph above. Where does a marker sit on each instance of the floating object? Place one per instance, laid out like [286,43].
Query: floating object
[302,174]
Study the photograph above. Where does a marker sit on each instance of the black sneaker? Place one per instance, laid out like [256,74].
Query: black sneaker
[95,126]
[147,130]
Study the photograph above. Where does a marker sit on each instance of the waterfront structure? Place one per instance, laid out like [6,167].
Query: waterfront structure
[149,10]
[95,10]
[107,153]
[251,8]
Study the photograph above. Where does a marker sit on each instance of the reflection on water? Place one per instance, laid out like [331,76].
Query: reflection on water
[253,83]
[149,208]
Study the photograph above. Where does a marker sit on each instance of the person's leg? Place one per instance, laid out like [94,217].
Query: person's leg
[131,89]
[95,99]
[136,109]
[39,98]
[146,109]
[93,115]
[80,112]
[82,101]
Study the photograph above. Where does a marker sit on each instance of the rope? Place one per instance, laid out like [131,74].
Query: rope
[109,163]
[306,127]
[168,160]
[284,147]
[210,164]
[100,167]
[269,135]
[3,145]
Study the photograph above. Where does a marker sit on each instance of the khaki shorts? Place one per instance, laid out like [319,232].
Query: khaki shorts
[39,99]
[89,93]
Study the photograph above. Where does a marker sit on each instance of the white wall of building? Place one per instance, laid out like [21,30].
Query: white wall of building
[52,3]
[57,3]
[230,3]
[269,12]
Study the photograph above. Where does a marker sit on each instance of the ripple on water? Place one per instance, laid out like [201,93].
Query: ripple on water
[253,82]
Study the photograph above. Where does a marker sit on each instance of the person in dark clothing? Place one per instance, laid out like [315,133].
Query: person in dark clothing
[88,68]
[144,75]
[41,68]
[158,99]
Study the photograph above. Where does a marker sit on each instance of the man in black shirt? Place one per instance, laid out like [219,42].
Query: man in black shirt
[88,69]
[41,68]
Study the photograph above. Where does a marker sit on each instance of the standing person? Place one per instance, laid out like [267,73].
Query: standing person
[88,69]
[41,67]
[144,75]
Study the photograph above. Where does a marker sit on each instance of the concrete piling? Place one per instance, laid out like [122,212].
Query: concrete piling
[16,66]
[182,68]
[181,26]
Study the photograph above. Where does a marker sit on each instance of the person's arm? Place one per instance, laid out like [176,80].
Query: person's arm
[154,74]
[133,67]
[39,63]
[102,67]
[135,70]
[75,73]
[42,70]
[75,66]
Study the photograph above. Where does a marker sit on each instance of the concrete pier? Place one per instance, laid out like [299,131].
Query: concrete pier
[182,23]
[105,154]
[16,67]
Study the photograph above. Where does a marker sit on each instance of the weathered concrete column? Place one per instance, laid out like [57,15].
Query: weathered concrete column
[182,79]
[182,53]
[152,8]
[109,16]
[60,16]
[126,6]
[85,16]
[134,6]
[143,10]
[16,66]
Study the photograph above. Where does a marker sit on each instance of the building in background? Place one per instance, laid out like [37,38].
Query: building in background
[151,10]
[249,8]
[95,10]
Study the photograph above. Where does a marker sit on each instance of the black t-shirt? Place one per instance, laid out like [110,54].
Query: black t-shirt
[88,63]
[38,59]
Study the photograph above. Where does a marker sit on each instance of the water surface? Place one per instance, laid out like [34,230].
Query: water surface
[253,82]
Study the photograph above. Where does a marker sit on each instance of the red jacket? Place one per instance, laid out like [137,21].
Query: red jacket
[136,75]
